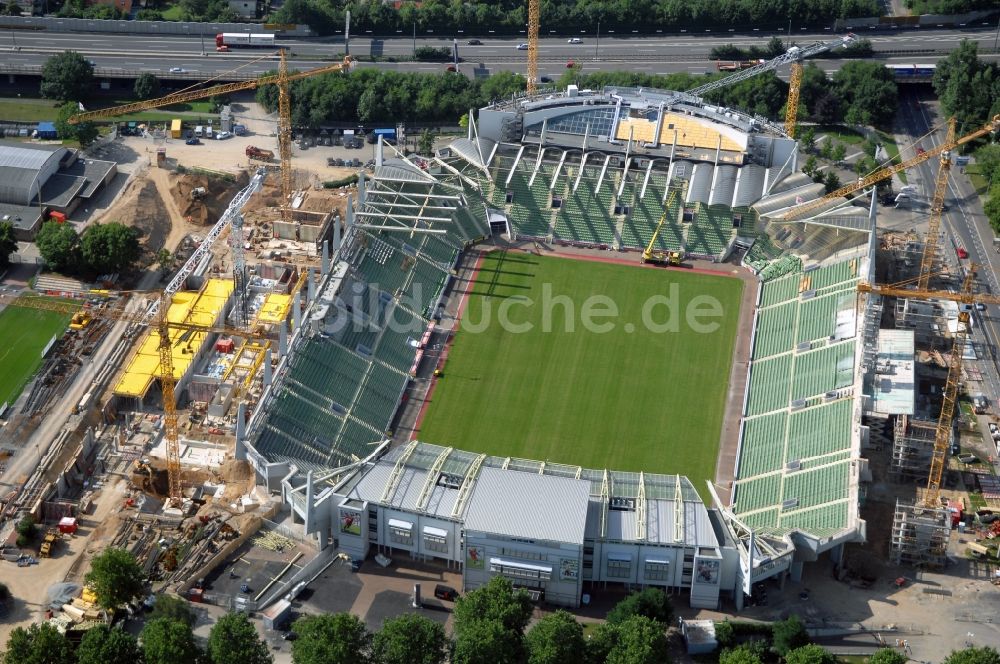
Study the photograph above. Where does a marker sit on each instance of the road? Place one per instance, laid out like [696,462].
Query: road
[661,54]
[965,226]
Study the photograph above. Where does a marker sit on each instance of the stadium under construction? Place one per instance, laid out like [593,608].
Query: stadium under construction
[587,170]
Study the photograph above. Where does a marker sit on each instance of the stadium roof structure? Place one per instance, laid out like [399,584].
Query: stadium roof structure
[522,497]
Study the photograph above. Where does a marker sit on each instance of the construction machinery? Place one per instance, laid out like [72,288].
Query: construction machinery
[966,299]
[794,56]
[656,256]
[937,209]
[801,211]
[48,543]
[282,79]
[258,154]
[167,379]
[534,13]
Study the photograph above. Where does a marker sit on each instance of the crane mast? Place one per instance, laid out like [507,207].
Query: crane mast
[533,24]
[937,209]
[285,138]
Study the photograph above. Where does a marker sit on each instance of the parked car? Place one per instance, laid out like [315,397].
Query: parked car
[474,42]
[574,40]
[192,141]
[523,46]
[445,592]
[994,428]
[980,306]
[968,458]
[222,134]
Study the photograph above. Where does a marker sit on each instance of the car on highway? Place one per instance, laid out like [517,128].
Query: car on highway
[920,149]
[474,42]
[574,40]
[962,253]
[450,68]
[176,70]
[523,46]
[545,79]
[192,141]
[981,307]
[570,64]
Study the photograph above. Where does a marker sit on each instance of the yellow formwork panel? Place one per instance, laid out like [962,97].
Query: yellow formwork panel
[185,307]
[691,132]
[275,308]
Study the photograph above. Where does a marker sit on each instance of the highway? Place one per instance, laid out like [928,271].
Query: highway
[115,55]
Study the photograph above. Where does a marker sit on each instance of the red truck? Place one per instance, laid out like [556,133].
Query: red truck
[257,153]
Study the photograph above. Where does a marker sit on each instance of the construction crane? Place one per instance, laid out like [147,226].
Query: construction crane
[800,211]
[937,209]
[658,256]
[534,16]
[966,299]
[282,79]
[794,56]
[81,315]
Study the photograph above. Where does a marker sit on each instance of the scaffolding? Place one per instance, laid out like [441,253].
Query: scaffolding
[920,536]
[912,448]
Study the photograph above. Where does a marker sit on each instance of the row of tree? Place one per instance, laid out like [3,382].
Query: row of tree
[102,249]
[510,16]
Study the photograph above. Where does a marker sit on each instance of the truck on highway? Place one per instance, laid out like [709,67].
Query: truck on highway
[258,154]
[227,40]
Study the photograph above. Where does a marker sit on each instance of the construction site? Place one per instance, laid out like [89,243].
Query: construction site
[254,420]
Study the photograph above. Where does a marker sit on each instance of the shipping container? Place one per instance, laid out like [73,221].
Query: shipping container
[176,128]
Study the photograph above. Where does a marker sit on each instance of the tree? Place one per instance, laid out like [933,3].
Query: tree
[967,87]
[487,642]
[12,8]
[992,208]
[988,160]
[67,76]
[165,260]
[868,91]
[652,603]
[787,635]
[973,656]
[826,150]
[107,645]
[146,86]
[111,247]
[831,182]
[774,48]
[808,138]
[26,527]
[410,639]
[739,655]
[556,639]
[115,577]
[166,641]
[810,654]
[339,638]
[811,166]
[497,600]
[640,641]
[838,153]
[84,132]
[426,144]
[173,608]
[38,644]
[234,640]
[601,642]
[888,656]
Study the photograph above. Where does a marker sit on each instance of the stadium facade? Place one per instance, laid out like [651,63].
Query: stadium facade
[589,169]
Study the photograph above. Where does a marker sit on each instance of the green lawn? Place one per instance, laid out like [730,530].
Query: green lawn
[23,334]
[636,401]
[32,110]
[975,173]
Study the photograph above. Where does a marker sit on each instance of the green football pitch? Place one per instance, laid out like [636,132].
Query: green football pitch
[527,378]
[23,334]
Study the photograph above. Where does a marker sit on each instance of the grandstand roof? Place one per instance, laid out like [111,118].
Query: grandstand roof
[529,506]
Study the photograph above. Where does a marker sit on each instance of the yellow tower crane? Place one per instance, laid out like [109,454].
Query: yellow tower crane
[801,211]
[792,105]
[167,379]
[282,79]
[534,14]
[966,299]
[937,209]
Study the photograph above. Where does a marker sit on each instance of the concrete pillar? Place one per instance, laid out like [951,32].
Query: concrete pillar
[336,235]
[795,572]
[283,339]
[240,450]
[311,285]
[267,368]
[325,264]
[349,219]
[739,597]
[837,554]
[297,310]
[307,517]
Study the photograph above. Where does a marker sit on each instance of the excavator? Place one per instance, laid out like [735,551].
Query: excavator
[663,257]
